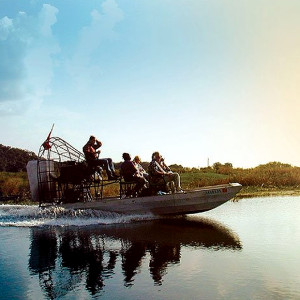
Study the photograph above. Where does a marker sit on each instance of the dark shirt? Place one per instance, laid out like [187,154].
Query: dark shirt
[128,170]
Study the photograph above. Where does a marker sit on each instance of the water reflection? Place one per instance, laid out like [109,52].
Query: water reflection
[64,258]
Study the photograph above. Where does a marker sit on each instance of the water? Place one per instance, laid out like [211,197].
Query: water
[241,250]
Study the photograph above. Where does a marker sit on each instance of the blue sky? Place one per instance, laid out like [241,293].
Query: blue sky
[192,79]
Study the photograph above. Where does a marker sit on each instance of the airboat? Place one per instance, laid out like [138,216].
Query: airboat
[61,177]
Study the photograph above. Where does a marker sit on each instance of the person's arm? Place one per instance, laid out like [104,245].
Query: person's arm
[157,169]
[134,170]
[97,145]
[167,168]
[164,166]
[141,169]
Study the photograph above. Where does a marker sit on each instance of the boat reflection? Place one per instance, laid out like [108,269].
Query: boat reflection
[63,258]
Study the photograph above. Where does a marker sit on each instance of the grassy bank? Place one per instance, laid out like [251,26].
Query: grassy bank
[14,187]
[195,180]
[252,191]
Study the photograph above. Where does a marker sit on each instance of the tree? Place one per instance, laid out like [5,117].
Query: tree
[14,159]
[216,166]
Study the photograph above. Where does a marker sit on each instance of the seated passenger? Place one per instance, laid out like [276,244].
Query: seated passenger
[156,173]
[160,172]
[137,163]
[174,176]
[131,173]
[91,156]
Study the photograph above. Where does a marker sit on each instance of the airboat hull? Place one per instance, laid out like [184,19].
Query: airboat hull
[195,201]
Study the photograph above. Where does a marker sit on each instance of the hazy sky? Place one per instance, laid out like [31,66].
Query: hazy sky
[193,79]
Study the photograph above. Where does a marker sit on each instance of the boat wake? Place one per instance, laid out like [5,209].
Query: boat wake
[34,216]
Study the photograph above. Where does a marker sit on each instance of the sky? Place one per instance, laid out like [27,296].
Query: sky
[200,81]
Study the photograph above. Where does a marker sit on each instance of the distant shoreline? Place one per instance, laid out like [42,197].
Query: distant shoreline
[253,192]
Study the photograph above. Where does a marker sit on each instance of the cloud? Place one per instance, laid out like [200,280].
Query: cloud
[102,27]
[5,26]
[29,55]
[12,52]
[26,66]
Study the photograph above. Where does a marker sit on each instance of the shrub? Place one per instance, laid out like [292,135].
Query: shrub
[14,184]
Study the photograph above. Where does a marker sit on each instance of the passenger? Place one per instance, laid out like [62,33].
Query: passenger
[137,163]
[92,157]
[160,172]
[174,176]
[131,173]
[156,173]
[163,165]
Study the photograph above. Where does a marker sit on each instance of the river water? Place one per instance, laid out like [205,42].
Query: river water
[242,250]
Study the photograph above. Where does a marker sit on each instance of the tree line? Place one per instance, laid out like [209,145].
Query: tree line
[14,159]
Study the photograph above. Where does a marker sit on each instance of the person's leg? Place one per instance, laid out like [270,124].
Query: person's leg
[140,183]
[95,166]
[105,165]
[168,179]
[147,179]
[176,178]
[111,166]
[146,176]
[156,184]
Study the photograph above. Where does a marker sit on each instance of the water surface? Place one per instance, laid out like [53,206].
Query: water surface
[241,250]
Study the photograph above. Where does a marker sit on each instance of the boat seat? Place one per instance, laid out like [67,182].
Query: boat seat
[80,180]
[100,180]
[126,188]
[75,181]
[74,174]
[157,185]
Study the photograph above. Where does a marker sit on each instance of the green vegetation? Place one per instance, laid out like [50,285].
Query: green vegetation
[270,179]
[273,178]
[14,186]
[192,180]
[14,159]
